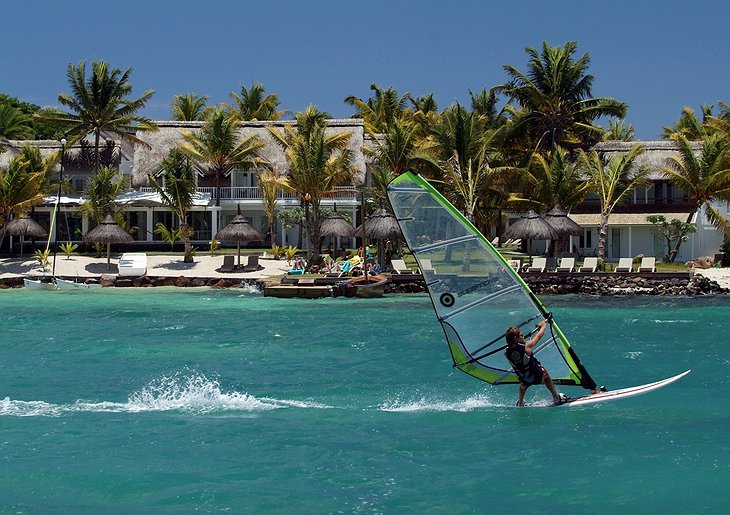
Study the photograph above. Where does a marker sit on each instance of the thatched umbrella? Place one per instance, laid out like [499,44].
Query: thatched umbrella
[559,221]
[108,231]
[26,227]
[334,225]
[239,229]
[531,227]
[380,225]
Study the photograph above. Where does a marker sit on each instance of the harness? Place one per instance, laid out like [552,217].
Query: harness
[525,365]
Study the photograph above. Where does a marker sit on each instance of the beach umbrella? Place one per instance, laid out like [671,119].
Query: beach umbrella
[334,225]
[239,229]
[108,231]
[25,227]
[560,221]
[380,225]
[531,226]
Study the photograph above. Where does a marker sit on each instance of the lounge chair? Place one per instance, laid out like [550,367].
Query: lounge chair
[426,266]
[252,265]
[516,243]
[625,265]
[399,267]
[229,264]
[589,265]
[648,264]
[567,264]
[538,265]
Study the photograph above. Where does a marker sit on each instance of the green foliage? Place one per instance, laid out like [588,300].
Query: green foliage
[277,251]
[43,258]
[725,249]
[293,217]
[215,245]
[290,253]
[68,248]
[171,236]
[673,231]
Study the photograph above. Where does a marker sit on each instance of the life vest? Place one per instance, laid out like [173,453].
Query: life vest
[525,365]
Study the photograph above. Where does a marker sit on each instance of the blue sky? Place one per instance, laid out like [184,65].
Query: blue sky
[657,56]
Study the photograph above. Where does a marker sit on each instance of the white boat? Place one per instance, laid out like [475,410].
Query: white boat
[46,283]
[64,284]
[133,264]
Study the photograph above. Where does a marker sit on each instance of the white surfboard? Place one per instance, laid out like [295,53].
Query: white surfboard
[622,393]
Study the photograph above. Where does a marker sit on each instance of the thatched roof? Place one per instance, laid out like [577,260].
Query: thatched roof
[559,221]
[147,159]
[26,227]
[380,225]
[238,229]
[335,225]
[108,231]
[531,226]
[655,156]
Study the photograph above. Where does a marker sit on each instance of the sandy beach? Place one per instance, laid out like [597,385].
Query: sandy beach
[160,265]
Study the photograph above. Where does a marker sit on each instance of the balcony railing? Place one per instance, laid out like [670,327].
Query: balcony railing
[255,193]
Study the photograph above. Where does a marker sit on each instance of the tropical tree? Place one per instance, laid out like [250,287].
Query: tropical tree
[317,163]
[189,107]
[673,231]
[705,176]
[379,111]
[689,125]
[177,191]
[217,149]
[554,99]
[14,124]
[102,189]
[619,130]
[271,183]
[554,179]
[612,182]
[99,105]
[253,104]
[24,184]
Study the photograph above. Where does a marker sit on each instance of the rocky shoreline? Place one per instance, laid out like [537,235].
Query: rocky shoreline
[589,284]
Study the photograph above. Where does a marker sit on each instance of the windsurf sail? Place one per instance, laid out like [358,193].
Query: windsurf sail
[476,294]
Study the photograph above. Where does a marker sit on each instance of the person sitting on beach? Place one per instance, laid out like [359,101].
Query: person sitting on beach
[524,363]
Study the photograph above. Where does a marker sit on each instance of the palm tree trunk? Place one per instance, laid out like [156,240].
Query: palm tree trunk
[602,232]
[97,138]
[186,238]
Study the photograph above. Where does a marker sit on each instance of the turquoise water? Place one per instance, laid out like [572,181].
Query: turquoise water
[181,400]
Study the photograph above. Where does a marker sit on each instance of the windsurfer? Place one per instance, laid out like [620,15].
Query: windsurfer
[528,369]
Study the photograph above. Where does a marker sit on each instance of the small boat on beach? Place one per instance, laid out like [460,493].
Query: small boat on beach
[370,286]
[44,283]
[65,284]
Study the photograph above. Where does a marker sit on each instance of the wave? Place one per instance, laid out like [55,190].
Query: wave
[472,403]
[195,394]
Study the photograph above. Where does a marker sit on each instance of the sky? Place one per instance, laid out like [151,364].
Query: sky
[657,56]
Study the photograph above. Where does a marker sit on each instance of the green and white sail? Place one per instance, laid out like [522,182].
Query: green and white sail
[476,294]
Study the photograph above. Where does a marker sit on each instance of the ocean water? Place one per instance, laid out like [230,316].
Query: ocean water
[182,400]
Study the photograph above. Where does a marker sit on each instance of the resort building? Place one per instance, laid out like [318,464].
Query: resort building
[629,232]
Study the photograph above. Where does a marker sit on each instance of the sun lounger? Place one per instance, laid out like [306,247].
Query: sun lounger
[427,267]
[133,264]
[252,265]
[566,265]
[229,264]
[648,264]
[399,267]
[625,265]
[538,265]
[589,265]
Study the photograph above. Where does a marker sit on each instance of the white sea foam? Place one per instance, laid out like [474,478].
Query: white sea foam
[194,394]
[423,404]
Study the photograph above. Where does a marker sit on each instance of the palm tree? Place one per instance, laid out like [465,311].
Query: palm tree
[102,190]
[271,183]
[705,177]
[254,105]
[100,105]
[14,124]
[613,182]
[217,149]
[553,179]
[317,163]
[189,107]
[177,192]
[619,130]
[554,99]
[688,125]
[24,184]
[379,111]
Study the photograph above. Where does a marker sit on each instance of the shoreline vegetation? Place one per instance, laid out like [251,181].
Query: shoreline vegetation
[168,270]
